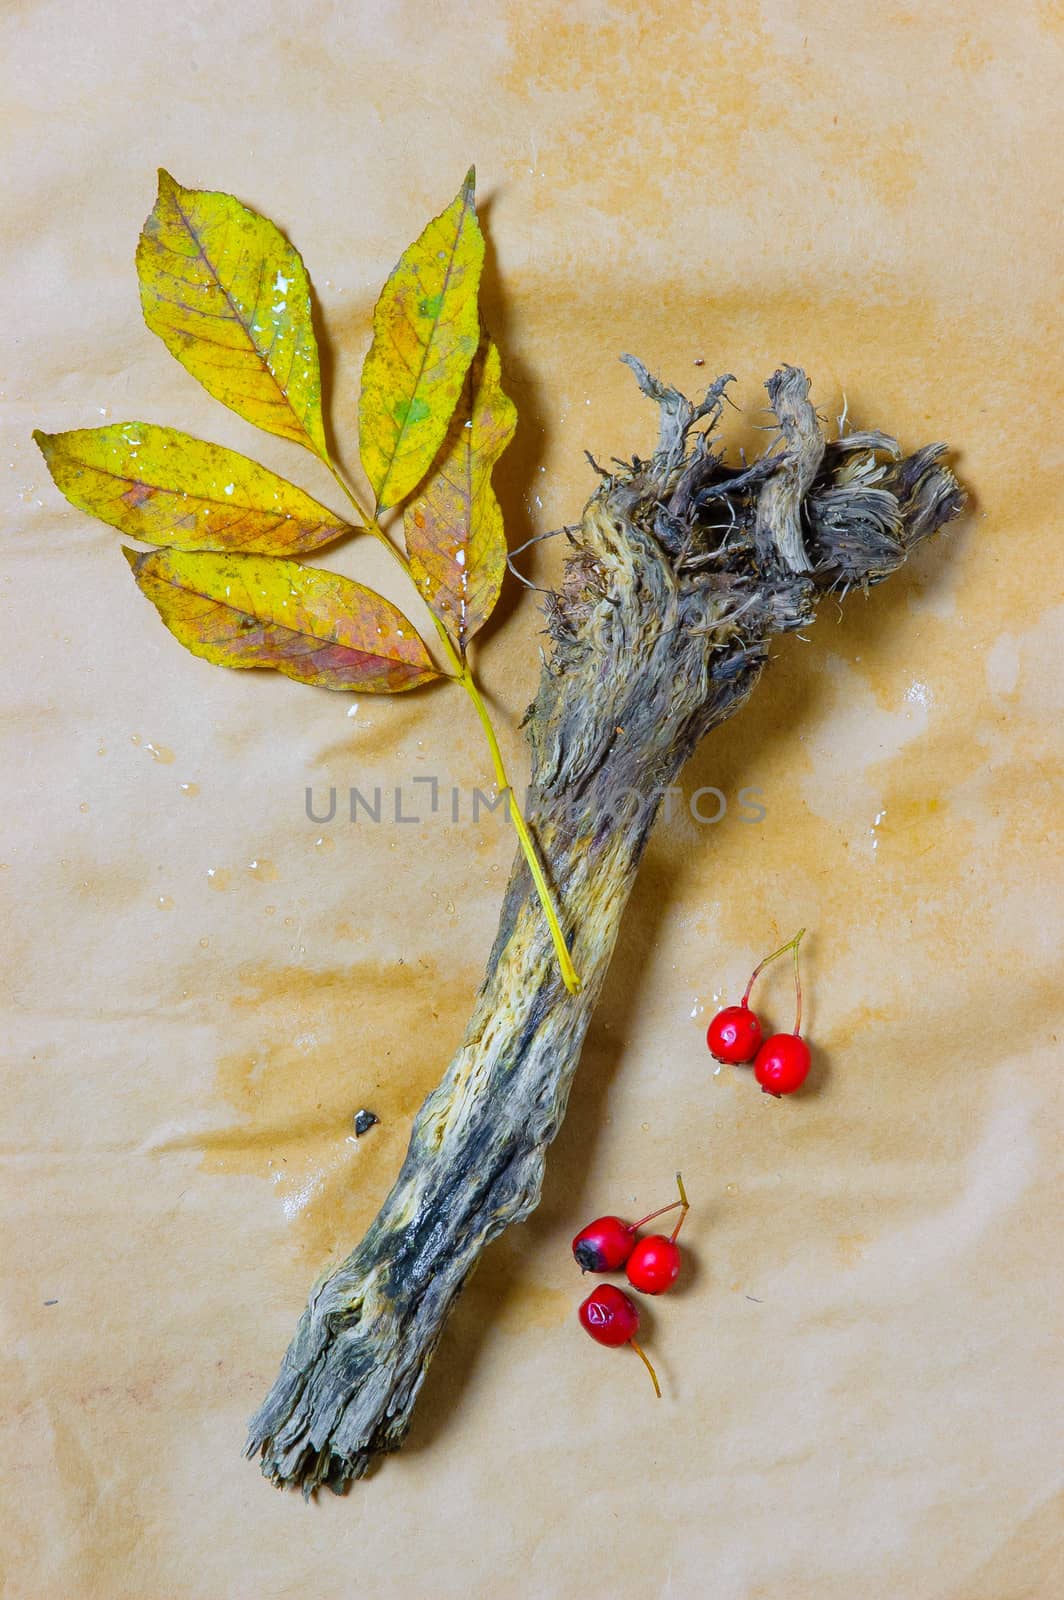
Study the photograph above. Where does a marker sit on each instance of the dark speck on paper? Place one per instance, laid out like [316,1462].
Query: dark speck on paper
[364,1120]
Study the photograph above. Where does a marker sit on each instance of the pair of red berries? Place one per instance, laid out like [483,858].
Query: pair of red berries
[781,1062]
[652,1265]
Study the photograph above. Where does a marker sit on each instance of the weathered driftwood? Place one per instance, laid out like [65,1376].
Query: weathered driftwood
[682,570]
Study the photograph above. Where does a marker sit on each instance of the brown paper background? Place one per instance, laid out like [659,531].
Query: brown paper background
[861,1370]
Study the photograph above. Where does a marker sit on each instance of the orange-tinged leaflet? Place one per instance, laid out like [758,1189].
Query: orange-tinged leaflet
[167,488]
[262,611]
[454,529]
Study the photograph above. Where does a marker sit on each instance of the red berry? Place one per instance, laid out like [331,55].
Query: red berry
[782,1064]
[734,1035]
[654,1264]
[782,1061]
[611,1318]
[608,1315]
[604,1245]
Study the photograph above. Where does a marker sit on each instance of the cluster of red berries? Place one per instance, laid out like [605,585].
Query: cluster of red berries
[652,1265]
[781,1062]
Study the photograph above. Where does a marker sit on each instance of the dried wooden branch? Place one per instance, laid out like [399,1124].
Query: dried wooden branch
[682,571]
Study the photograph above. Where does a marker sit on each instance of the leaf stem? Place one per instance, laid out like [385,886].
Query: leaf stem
[535,866]
[463,674]
[570,977]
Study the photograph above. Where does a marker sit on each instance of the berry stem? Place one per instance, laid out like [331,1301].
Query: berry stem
[792,944]
[797,984]
[660,1212]
[644,1358]
[684,1203]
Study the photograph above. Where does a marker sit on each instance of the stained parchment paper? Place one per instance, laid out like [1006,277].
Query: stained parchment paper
[202,985]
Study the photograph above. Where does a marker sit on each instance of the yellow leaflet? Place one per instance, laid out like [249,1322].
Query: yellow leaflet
[165,487]
[261,611]
[454,531]
[425,334]
[230,298]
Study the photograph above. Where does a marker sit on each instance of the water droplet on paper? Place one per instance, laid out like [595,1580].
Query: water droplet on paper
[219,877]
[84,806]
[160,753]
[165,902]
[264,870]
[191,789]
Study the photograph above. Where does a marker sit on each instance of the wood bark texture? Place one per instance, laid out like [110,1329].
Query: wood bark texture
[682,570]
